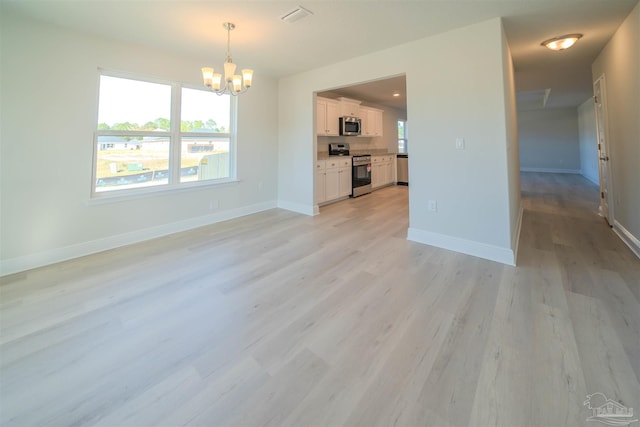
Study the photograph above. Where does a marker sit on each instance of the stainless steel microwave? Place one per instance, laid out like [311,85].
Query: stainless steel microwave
[350,126]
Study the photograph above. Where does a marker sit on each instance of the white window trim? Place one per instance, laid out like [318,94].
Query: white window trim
[175,135]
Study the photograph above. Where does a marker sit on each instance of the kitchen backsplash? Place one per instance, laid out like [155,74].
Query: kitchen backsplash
[359,144]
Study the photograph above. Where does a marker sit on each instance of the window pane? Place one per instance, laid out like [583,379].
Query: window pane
[131,162]
[126,104]
[203,158]
[204,111]
[402,136]
[401,130]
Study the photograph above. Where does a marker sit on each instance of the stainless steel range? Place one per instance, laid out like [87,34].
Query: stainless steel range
[361,175]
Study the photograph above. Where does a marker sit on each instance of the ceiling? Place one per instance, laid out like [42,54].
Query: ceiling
[339,30]
[380,92]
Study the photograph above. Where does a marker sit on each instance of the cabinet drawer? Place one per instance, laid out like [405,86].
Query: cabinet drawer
[332,163]
[345,162]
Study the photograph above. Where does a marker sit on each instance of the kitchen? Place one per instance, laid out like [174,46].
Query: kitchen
[361,139]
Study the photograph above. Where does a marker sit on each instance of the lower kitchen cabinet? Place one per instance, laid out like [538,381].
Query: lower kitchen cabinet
[382,170]
[321,172]
[344,179]
[333,179]
[332,184]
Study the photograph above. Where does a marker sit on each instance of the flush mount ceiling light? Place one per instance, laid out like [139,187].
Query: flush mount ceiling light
[396,94]
[234,84]
[561,42]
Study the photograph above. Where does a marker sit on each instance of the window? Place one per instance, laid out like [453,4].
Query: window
[402,136]
[161,134]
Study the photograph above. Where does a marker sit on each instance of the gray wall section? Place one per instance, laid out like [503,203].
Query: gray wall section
[619,62]
[588,141]
[549,140]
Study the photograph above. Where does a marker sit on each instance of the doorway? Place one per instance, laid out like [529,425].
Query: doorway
[382,102]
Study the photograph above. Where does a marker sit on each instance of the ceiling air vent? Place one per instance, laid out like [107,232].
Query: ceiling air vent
[295,15]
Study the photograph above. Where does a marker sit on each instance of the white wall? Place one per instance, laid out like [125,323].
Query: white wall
[455,88]
[49,108]
[549,140]
[619,61]
[588,141]
[513,149]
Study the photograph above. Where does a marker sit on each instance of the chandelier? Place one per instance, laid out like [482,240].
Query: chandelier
[234,84]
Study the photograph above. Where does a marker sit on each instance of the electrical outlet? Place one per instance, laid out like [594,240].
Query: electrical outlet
[459,143]
[432,205]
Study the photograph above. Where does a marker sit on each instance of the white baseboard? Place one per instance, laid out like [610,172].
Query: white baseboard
[629,239]
[299,207]
[28,262]
[515,240]
[551,170]
[469,247]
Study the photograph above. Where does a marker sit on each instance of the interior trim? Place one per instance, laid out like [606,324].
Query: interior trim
[310,210]
[52,256]
[628,238]
[551,170]
[469,247]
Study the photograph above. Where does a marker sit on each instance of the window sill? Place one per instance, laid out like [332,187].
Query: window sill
[110,197]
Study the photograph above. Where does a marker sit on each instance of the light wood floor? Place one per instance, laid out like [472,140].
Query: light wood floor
[281,319]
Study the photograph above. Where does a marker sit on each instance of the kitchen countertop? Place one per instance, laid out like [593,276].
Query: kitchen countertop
[323,155]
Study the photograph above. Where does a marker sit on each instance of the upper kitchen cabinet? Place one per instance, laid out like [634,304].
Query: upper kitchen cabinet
[349,107]
[327,117]
[371,121]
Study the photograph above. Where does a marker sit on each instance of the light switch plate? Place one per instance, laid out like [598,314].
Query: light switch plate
[459,143]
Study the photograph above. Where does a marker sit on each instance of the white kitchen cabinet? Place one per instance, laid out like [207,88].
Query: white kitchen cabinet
[391,169]
[371,121]
[382,170]
[333,179]
[327,117]
[344,176]
[321,171]
[378,114]
[376,171]
[349,107]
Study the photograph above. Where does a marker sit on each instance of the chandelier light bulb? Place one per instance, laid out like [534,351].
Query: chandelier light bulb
[234,84]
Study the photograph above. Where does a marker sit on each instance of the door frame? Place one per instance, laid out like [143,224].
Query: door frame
[604,152]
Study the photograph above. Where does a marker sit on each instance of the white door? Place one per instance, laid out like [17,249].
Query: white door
[606,205]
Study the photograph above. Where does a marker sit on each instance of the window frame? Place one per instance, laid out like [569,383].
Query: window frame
[405,139]
[174,135]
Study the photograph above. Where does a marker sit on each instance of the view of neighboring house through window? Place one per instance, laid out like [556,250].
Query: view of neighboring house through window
[205,138]
[402,136]
[152,134]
